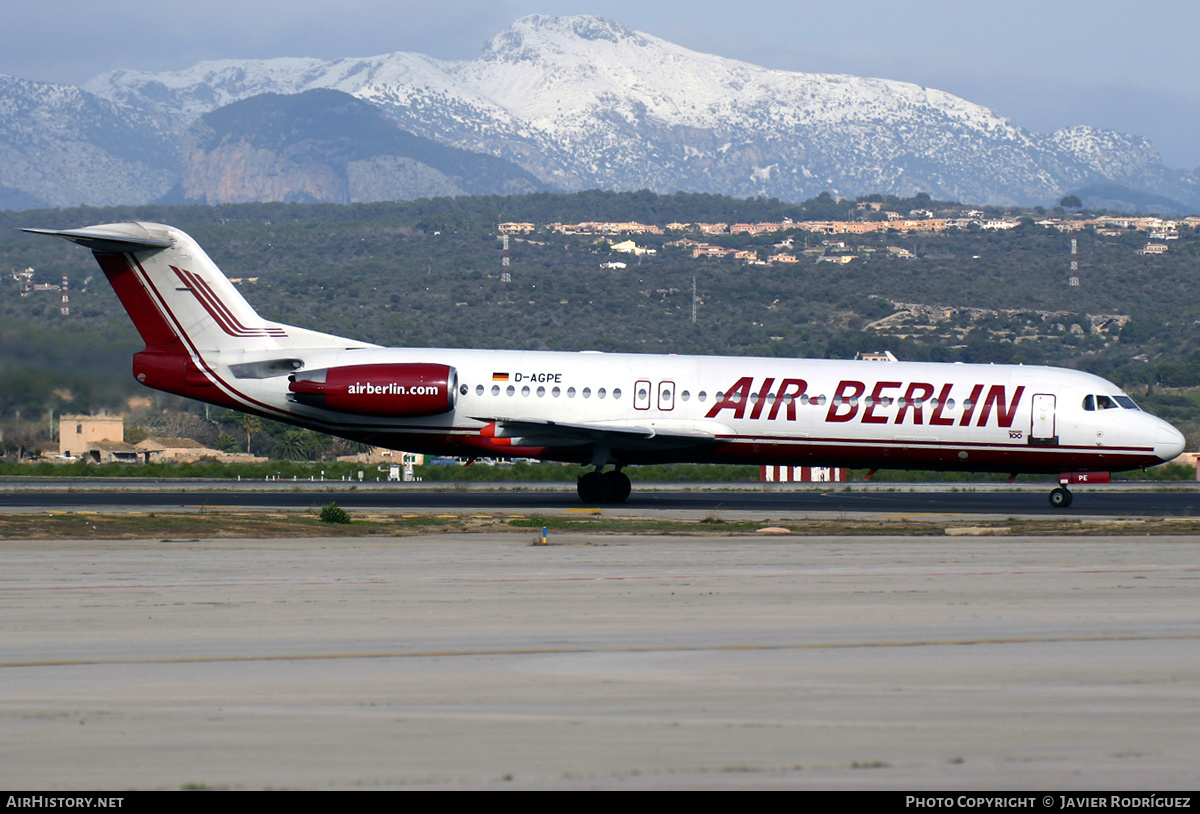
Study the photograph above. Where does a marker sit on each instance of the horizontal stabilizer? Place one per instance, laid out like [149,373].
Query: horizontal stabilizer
[98,239]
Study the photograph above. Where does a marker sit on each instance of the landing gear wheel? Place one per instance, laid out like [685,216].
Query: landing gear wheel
[594,487]
[1060,498]
[620,487]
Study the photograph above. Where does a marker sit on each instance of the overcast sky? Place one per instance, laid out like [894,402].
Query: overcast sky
[1044,64]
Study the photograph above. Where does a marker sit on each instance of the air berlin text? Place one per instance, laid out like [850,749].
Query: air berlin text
[392,389]
[884,403]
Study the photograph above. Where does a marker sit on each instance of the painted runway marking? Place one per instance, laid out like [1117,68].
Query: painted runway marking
[558,651]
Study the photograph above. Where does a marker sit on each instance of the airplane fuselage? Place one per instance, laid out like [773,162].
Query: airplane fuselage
[756,410]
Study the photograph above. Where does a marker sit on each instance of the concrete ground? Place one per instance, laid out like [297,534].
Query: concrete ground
[481,661]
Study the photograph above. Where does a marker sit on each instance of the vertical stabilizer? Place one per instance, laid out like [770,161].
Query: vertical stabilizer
[186,310]
[172,290]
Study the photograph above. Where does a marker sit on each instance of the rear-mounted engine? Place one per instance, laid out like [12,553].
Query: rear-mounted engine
[400,390]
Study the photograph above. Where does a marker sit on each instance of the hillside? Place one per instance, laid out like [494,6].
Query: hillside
[327,146]
[427,273]
[61,146]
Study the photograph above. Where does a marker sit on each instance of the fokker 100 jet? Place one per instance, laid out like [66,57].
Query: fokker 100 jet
[204,341]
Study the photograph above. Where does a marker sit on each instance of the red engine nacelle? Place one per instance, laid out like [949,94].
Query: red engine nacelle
[404,390]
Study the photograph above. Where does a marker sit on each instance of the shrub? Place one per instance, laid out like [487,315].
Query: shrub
[333,513]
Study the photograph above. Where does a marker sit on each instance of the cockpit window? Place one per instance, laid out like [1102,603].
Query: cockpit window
[1091,403]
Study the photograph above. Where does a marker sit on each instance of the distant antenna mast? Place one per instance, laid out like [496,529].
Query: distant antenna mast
[1073,279]
[66,299]
[693,299]
[505,275]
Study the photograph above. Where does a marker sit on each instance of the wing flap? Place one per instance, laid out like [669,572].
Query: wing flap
[539,432]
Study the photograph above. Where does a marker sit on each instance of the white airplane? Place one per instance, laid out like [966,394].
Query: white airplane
[204,341]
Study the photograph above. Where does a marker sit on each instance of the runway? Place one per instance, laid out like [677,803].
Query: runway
[481,661]
[659,500]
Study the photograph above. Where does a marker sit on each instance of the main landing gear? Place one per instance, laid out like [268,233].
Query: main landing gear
[604,487]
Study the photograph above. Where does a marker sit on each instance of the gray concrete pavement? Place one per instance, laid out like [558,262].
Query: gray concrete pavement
[480,661]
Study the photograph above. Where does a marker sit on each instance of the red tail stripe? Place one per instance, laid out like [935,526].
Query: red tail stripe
[217,309]
[215,312]
[216,302]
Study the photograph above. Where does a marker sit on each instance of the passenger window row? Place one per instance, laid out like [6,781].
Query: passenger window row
[819,400]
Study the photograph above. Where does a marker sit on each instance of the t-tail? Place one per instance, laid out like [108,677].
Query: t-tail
[187,312]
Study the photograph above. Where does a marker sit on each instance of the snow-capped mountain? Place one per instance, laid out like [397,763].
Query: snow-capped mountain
[582,102]
[61,146]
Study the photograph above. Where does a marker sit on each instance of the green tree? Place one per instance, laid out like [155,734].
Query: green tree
[296,445]
[247,423]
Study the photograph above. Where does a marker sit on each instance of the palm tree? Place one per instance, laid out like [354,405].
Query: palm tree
[248,424]
[296,445]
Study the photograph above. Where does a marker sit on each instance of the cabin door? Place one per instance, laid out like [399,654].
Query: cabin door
[641,395]
[1042,430]
[666,396]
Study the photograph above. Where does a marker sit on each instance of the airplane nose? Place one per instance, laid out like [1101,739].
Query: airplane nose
[1168,442]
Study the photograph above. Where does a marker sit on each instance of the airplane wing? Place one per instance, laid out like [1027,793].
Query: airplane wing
[649,436]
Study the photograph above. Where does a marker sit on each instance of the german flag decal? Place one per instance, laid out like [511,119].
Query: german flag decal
[499,377]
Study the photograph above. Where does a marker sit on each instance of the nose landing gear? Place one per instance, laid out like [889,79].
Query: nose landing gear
[1060,497]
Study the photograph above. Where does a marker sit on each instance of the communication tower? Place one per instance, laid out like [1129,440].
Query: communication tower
[1073,279]
[505,275]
